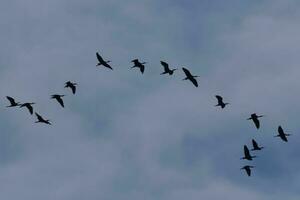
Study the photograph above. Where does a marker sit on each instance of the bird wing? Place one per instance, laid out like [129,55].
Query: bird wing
[255,145]
[60,101]
[73,87]
[248,171]
[165,65]
[280,130]
[246,151]
[194,81]
[142,68]
[11,100]
[39,117]
[105,64]
[187,72]
[100,59]
[256,122]
[220,99]
[30,108]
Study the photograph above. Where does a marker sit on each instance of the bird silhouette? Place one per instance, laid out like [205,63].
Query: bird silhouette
[102,62]
[139,64]
[58,98]
[28,106]
[190,77]
[254,118]
[220,102]
[167,70]
[282,134]
[71,85]
[247,155]
[255,146]
[247,168]
[41,119]
[12,102]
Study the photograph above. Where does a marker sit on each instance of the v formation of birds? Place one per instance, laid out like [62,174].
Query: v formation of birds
[167,70]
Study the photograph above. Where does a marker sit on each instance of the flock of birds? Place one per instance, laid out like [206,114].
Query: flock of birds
[141,65]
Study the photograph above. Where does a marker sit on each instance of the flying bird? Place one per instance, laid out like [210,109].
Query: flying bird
[247,168]
[103,62]
[220,102]
[41,119]
[28,106]
[247,155]
[282,135]
[167,70]
[190,77]
[254,118]
[58,98]
[71,85]
[255,146]
[12,102]
[139,64]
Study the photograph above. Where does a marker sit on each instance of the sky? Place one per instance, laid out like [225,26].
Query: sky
[130,136]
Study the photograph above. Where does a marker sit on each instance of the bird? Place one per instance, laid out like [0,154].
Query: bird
[28,106]
[41,119]
[247,155]
[247,168]
[220,102]
[254,118]
[282,135]
[71,85]
[102,62]
[255,146]
[12,102]
[167,70]
[190,77]
[58,98]
[139,64]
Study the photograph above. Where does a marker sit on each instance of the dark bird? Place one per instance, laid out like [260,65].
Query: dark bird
[41,119]
[282,135]
[139,64]
[28,106]
[220,102]
[247,155]
[255,146]
[58,98]
[102,62]
[12,102]
[247,168]
[71,85]
[254,118]
[167,70]
[190,77]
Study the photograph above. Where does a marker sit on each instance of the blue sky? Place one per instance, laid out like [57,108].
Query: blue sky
[130,136]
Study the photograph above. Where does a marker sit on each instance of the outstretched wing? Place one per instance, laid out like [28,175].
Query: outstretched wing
[30,108]
[219,98]
[254,143]
[39,117]
[142,68]
[100,59]
[194,81]
[248,171]
[165,65]
[256,122]
[60,101]
[73,87]
[105,64]
[246,152]
[187,72]
[11,100]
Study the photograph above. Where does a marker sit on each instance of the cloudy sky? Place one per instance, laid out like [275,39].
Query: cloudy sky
[130,136]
